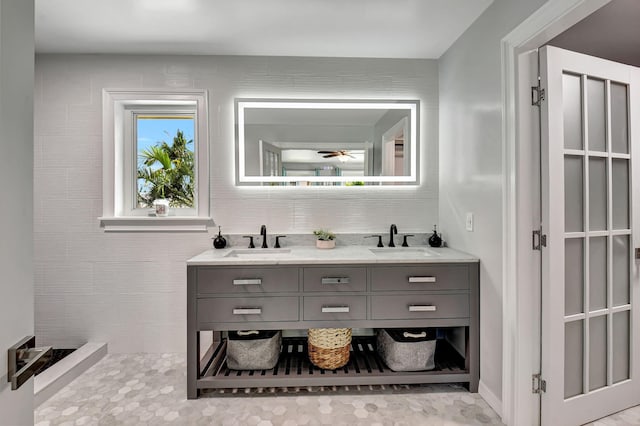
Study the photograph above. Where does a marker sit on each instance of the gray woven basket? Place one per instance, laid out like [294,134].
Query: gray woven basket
[407,355]
[253,350]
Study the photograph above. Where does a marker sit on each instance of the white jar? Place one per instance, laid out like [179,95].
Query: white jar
[162,207]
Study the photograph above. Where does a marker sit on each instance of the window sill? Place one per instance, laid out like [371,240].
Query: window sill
[155,224]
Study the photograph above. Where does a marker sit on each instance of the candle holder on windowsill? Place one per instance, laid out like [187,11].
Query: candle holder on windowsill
[161,207]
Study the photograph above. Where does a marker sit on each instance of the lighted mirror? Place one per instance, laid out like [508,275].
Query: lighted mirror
[326,142]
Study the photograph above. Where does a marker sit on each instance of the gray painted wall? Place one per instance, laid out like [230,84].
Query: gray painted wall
[610,33]
[471,177]
[128,289]
[16,213]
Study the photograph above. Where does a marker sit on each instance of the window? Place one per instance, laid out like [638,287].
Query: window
[155,146]
[161,142]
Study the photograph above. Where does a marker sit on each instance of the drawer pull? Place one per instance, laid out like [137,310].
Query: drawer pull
[335,309]
[422,308]
[247,311]
[335,280]
[422,279]
[247,281]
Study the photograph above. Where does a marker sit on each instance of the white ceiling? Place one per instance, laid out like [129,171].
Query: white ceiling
[330,28]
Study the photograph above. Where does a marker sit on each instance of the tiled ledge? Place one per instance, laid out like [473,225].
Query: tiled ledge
[63,372]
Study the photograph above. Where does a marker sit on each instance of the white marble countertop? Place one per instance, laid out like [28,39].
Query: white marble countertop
[297,255]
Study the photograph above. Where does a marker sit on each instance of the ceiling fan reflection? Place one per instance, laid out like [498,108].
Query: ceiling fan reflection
[338,153]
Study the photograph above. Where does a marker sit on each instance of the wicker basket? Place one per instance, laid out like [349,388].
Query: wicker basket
[329,347]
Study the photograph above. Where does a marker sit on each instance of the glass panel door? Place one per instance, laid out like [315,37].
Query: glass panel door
[587,211]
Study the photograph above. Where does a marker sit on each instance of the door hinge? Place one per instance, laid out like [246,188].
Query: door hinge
[537,95]
[538,239]
[537,384]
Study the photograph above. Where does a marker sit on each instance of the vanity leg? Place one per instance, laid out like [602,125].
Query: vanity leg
[473,331]
[193,337]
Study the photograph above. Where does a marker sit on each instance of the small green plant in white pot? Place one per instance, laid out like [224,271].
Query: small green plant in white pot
[325,239]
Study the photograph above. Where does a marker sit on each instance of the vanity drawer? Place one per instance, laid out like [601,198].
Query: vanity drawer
[247,309]
[335,279]
[432,277]
[247,280]
[318,308]
[420,306]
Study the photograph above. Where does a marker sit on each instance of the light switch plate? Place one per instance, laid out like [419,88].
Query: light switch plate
[469,222]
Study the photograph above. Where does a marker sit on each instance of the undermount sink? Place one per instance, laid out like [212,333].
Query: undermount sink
[259,253]
[402,252]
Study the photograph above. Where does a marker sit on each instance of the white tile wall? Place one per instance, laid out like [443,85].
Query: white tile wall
[129,289]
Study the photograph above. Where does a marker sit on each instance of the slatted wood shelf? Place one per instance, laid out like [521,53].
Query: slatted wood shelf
[365,367]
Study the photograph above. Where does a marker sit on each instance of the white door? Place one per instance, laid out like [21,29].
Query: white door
[16,213]
[270,159]
[396,162]
[590,280]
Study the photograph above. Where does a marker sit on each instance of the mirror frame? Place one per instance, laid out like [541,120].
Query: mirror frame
[241,104]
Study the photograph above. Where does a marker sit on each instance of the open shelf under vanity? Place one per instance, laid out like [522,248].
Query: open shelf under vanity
[365,367]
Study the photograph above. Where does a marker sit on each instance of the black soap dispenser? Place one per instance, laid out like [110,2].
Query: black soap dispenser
[435,240]
[219,242]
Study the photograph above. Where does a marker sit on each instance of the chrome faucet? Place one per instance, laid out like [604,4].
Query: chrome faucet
[263,232]
[392,230]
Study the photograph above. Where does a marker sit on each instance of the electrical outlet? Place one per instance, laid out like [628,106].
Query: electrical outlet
[469,222]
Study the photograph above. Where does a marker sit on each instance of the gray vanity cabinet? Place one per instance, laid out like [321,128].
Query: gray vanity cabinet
[362,296]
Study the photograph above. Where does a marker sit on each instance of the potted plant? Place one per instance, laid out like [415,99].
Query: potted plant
[325,239]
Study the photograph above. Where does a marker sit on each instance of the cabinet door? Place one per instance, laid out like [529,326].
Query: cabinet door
[319,308]
[415,306]
[420,278]
[335,279]
[246,280]
[247,309]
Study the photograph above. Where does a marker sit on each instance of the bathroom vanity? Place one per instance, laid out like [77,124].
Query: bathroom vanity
[357,287]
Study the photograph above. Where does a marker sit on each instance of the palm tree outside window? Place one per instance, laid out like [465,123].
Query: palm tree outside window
[165,164]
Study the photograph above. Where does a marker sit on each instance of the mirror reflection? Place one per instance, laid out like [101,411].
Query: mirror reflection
[310,142]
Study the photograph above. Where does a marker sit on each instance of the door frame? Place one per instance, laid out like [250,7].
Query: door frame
[16,249]
[389,149]
[519,405]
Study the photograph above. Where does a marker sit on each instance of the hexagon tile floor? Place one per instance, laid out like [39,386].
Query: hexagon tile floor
[149,389]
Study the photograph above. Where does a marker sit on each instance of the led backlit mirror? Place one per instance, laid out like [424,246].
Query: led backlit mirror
[324,142]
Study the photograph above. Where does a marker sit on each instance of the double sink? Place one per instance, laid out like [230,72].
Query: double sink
[284,253]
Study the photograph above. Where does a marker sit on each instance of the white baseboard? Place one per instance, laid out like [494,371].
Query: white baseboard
[494,402]
[63,372]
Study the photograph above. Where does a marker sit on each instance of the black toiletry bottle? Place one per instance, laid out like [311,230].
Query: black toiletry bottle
[435,240]
[219,242]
